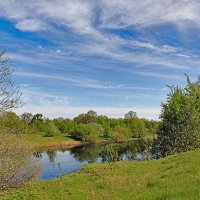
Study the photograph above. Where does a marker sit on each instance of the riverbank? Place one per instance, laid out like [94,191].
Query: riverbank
[173,177]
[57,141]
[63,141]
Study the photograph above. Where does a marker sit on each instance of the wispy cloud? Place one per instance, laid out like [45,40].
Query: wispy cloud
[85,83]
[101,47]
[80,15]
[35,96]
[119,14]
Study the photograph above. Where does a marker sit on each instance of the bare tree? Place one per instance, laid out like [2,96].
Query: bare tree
[10,96]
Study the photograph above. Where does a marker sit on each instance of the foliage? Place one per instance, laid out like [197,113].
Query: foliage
[89,117]
[130,115]
[180,127]
[137,127]
[17,166]
[110,153]
[11,123]
[119,134]
[86,133]
[37,117]
[65,125]
[51,130]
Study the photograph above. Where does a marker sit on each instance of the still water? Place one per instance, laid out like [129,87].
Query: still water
[58,162]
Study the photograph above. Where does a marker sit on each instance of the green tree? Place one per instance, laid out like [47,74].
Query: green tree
[37,117]
[119,134]
[137,127]
[11,123]
[51,129]
[89,117]
[180,127]
[86,133]
[130,115]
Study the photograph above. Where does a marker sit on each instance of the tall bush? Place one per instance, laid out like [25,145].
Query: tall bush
[180,127]
[86,133]
[119,134]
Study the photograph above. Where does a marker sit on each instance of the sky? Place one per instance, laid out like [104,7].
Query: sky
[71,56]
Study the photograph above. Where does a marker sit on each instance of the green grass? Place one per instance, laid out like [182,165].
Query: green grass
[63,140]
[39,140]
[174,177]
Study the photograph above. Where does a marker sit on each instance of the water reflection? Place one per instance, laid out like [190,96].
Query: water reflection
[58,162]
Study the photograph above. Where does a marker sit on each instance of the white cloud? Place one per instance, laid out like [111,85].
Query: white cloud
[90,37]
[31,25]
[120,14]
[55,105]
[83,82]
[80,15]
[37,97]
[53,111]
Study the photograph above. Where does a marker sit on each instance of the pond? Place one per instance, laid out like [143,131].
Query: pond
[58,162]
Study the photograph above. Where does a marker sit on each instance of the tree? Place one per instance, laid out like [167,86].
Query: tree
[89,117]
[130,115]
[86,133]
[91,113]
[37,117]
[10,96]
[120,134]
[180,127]
[12,124]
[137,127]
[26,117]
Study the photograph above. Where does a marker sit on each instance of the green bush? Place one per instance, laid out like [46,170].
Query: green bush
[51,130]
[110,153]
[180,127]
[137,127]
[11,123]
[119,134]
[48,133]
[86,133]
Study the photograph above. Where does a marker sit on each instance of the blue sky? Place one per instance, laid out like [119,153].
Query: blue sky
[71,56]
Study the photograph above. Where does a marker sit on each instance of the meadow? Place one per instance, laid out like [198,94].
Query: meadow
[173,177]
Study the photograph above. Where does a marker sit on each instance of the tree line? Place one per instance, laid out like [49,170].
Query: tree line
[88,127]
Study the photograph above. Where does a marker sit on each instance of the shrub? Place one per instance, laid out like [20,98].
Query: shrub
[86,133]
[51,130]
[110,153]
[17,165]
[11,123]
[180,127]
[137,127]
[119,134]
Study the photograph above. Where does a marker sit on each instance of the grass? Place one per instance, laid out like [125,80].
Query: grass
[63,140]
[173,177]
[56,141]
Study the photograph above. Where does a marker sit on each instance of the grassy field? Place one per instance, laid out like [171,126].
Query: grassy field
[174,177]
[56,141]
